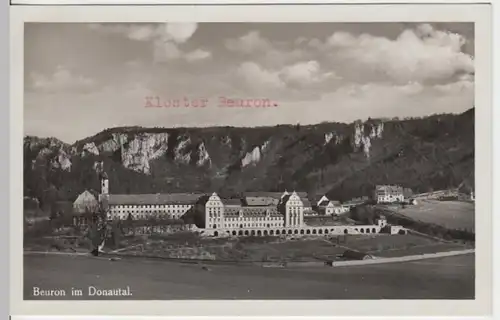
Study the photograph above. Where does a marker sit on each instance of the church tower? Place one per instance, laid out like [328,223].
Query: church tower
[104,184]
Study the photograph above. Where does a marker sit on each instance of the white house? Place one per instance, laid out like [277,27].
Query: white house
[389,194]
[145,206]
[335,208]
[322,200]
[85,202]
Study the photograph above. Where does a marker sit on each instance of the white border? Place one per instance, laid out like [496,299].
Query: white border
[480,14]
[232,2]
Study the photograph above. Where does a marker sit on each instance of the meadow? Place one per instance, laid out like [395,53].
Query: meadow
[449,214]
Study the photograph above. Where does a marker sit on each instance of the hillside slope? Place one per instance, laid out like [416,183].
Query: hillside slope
[342,160]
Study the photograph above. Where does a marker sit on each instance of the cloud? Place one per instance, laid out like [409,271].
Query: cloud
[166,51]
[166,37]
[464,84]
[137,32]
[136,63]
[296,81]
[141,33]
[257,77]
[305,73]
[418,54]
[179,32]
[249,43]
[169,38]
[270,54]
[411,88]
[61,79]
[198,54]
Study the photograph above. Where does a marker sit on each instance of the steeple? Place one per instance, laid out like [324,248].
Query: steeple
[104,183]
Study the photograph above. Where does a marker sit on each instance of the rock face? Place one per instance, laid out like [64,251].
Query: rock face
[364,141]
[342,160]
[141,149]
[255,155]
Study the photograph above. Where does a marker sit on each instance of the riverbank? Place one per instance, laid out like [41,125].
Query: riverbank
[153,279]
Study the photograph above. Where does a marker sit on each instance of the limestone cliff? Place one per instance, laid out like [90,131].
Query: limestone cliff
[344,160]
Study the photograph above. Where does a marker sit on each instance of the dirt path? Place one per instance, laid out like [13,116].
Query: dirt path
[403,259]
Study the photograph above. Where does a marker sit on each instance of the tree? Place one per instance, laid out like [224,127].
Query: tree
[130,218]
[363,214]
[129,223]
[115,234]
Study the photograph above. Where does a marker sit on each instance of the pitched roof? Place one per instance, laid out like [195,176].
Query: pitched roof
[260,194]
[285,199]
[390,189]
[302,194]
[316,197]
[137,223]
[261,201]
[306,202]
[231,202]
[154,199]
[85,196]
[323,203]
[86,202]
[276,195]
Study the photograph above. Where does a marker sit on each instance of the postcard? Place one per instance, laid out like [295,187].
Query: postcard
[251,160]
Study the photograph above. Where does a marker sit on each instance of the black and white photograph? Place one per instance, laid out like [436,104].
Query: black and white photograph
[249,161]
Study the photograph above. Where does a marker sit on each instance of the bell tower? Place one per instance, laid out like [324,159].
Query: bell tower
[104,184]
[103,177]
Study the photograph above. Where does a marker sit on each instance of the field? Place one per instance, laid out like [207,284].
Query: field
[401,245]
[444,278]
[246,249]
[272,249]
[449,214]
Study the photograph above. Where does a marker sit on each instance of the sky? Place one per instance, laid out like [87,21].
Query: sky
[82,78]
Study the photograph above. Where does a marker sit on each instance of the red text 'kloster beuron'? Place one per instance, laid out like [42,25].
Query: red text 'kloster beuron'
[223,102]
